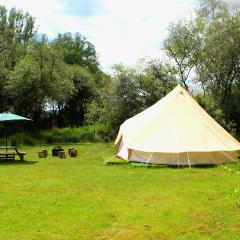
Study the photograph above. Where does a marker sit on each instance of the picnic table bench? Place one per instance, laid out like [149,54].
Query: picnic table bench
[11,155]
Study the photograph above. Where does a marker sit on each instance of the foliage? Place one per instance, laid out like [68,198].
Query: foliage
[85,91]
[80,55]
[182,44]
[156,79]
[213,109]
[48,81]
[39,77]
[209,45]
[60,82]
[132,90]
[87,133]
[91,133]
[218,65]
[16,30]
[77,50]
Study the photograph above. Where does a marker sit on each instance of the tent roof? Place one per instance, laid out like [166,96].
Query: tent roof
[176,123]
[11,117]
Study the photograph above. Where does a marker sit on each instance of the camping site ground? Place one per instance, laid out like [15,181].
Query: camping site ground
[85,198]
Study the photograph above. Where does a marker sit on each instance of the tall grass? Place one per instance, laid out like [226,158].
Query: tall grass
[90,133]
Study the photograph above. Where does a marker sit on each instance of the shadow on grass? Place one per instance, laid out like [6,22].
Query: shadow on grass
[116,163]
[16,162]
[206,166]
[149,165]
[193,166]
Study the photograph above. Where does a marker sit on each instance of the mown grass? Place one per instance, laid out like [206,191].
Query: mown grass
[84,198]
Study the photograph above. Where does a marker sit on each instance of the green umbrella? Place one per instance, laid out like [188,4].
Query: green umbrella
[7,117]
[11,117]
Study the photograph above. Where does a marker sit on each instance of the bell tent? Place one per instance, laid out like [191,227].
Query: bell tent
[175,131]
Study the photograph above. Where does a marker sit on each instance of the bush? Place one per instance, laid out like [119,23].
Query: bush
[89,133]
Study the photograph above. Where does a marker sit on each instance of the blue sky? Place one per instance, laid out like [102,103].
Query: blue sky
[83,8]
[123,31]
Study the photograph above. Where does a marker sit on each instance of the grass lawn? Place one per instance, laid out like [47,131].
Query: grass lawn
[84,198]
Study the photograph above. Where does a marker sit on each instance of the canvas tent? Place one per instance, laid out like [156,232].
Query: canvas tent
[175,131]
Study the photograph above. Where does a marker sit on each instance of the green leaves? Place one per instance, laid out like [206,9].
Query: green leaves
[132,90]
[37,75]
[206,52]
[182,46]
[77,50]
[40,77]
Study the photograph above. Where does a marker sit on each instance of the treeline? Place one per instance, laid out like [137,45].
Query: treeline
[60,82]
[48,81]
[209,46]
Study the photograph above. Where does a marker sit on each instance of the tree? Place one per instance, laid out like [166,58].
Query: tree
[131,90]
[77,50]
[182,45]
[212,107]
[210,9]
[16,31]
[85,73]
[156,79]
[85,91]
[209,46]
[218,63]
[40,78]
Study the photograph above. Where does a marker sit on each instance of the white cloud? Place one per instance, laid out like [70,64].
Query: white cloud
[122,30]
[44,11]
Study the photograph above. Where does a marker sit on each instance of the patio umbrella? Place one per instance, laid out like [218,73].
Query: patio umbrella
[8,117]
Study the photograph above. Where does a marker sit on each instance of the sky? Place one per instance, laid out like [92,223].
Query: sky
[122,31]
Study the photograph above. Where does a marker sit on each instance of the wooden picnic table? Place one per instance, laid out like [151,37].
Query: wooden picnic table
[10,154]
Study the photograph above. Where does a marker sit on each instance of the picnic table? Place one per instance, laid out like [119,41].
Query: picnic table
[11,154]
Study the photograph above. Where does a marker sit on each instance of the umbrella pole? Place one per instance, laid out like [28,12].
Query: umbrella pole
[6,143]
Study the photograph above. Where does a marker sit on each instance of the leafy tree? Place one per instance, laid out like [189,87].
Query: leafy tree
[218,64]
[209,45]
[211,106]
[77,50]
[16,31]
[182,45]
[156,79]
[85,90]
[234,107]
[85,73]
[131,91]
[40,78]
[210,9]
[95,111]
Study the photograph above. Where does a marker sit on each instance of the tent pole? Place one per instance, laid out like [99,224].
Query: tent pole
[189,163]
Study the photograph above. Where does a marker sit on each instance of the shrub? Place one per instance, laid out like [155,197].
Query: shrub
[88,133]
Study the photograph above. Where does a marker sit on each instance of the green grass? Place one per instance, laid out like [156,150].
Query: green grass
[85,198]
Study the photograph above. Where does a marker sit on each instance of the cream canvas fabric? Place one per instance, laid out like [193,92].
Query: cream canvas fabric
[177,131]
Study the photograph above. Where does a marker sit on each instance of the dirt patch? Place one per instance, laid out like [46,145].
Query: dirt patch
[127,234]
[202,228]
[236,228]
[123,234]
